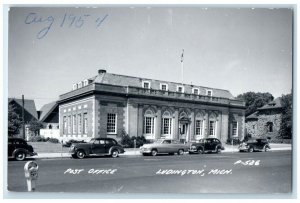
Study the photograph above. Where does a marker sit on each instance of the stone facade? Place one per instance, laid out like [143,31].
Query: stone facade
[260,127]
[265,122]
[155,114]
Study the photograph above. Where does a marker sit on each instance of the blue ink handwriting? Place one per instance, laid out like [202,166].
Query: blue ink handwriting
[33,18]
[68,20]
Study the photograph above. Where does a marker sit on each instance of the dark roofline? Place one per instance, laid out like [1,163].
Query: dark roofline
[276,102]
[167,82]
[26,109]
[271,107]
[13,98]
[49,112]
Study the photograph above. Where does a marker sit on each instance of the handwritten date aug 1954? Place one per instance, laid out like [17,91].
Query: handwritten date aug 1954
[67,20]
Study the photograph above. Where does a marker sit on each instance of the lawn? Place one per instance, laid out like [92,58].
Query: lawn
[48,147]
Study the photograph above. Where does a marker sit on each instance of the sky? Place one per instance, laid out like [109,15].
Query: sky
[237,49]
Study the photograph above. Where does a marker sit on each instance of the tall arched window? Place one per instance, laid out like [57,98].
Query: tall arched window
[167,123]
[148,122]
[199,125]
[212,125]
[234,128]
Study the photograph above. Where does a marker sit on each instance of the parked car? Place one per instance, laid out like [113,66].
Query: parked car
[19,149]
[164,146]
[258,144]
[206,145]
[96,146]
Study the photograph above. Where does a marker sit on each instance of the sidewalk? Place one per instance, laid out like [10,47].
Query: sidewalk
[274,147]
[135,152]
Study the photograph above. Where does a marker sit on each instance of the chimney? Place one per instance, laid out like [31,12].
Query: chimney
[101,71]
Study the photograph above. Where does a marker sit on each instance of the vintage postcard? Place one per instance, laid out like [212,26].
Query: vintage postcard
[154,100]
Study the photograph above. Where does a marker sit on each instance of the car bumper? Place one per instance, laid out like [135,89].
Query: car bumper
[243,149]
[33,153]
[72,151]
[145,151]
[193,151]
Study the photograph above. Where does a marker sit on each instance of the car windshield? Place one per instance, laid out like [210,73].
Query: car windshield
[201,141]
[92,140]
[252,141]
[166,142]
[159,141]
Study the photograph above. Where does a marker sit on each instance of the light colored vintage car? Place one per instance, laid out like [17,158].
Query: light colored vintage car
[167,146]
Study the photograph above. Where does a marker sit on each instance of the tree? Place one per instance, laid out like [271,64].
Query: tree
[285,130]
[255,100]
[14,121]
[35,126]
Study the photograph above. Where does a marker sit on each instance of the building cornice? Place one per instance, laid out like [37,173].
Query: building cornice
[135,92]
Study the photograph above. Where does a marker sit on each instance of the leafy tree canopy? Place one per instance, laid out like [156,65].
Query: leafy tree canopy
[287,116]
[14,121]
[35,126]
[255,100]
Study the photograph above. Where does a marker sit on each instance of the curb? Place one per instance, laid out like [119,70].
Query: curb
[64,155]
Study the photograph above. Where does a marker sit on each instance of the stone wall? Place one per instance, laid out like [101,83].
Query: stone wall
[251,127]
[259,127]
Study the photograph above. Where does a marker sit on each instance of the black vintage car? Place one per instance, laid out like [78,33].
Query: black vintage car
[96,146]
[19,149]
[206,145]
[252,145]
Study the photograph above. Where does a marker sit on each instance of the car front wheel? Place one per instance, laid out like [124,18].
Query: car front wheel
[219,150]
[267,149]
[80,154]
[200,151]
[180,152]
[153,152]
[20,156]
[115,153]
[251,149]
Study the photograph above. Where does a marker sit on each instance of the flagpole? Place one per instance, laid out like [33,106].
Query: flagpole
[182,66]
[182,72]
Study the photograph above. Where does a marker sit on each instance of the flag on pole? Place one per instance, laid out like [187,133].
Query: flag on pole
[182,55]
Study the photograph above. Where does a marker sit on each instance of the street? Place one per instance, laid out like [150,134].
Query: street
[258,173]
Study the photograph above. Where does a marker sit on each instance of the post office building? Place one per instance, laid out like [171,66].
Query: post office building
[107,105]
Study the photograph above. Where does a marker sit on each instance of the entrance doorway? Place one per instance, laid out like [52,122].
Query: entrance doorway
[184,131]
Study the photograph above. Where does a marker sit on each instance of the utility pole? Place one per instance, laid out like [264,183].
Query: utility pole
[23,119]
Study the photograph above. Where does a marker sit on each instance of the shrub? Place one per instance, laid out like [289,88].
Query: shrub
[140,141]
[128,142]
[247,137]
[37,139]
[53,140]
[234,141]
[71,141]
